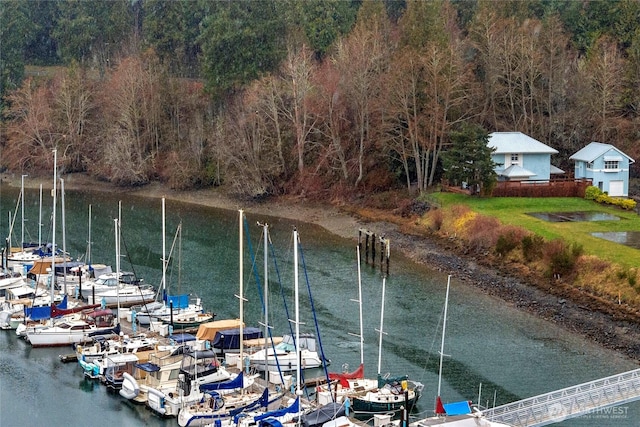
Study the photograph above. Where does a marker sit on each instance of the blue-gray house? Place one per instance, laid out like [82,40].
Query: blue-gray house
[520,157]
[606,166]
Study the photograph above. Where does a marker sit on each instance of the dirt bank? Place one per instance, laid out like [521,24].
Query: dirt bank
[616,328]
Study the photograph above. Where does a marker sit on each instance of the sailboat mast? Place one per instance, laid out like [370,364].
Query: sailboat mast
[444,326]
[241,279]
[22,205]
[89,240]
[117,240]
[164,252]
[118,221]
[265,228]
[360,305]
[64,239]
[381,331]
[297,322]
[53,239]
[40,220]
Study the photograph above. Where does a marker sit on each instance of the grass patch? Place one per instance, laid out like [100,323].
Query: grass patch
[513,211]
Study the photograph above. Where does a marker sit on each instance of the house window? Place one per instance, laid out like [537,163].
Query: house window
[610,164]
[589,165]
[515,159]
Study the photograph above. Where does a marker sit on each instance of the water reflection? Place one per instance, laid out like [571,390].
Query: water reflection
[627,238]
[573,216]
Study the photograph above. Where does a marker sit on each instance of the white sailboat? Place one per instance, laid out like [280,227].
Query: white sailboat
[349,383]
[181,306]
[290,353]
[392,394]
[117,292]
[23,258]
[201,369]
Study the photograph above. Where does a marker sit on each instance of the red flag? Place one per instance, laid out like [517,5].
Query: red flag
[440,407]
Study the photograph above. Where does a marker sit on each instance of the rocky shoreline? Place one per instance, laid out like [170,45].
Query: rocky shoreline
[570,311]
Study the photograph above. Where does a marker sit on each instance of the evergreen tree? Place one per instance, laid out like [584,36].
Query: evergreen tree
[241,41]
[468,160]
[15,32]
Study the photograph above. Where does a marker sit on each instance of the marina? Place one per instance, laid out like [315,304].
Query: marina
[500,364]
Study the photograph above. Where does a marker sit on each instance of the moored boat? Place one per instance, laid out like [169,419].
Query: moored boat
[73,331]
[197,367]
[283,356]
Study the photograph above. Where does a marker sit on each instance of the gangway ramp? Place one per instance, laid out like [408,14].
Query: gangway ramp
[570,402]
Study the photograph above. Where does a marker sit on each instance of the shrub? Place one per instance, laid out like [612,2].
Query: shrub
[561,258]
[532,247]
[506,243]
[509,239]
[436,218]
[627,204]
[592,192]
[482,232]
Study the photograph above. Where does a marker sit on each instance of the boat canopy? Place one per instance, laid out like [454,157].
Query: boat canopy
[148,367]
[44,312]
[182,338]
[344,377]
[323,414]
[207,331]
[176,301]
[230,338]
[457,408]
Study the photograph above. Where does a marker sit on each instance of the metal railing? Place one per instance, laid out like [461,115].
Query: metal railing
[570,402]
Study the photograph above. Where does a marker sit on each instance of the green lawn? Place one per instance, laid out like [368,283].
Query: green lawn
[513,210]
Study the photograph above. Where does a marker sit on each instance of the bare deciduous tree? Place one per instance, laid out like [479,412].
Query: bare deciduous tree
[362,58]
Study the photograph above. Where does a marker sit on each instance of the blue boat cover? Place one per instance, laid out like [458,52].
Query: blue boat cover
[262,402]
[323,414]
[148,367]
[182,338]
[237,382]
[177,301]
[270,422]
[111,331]
[457,408]
[294,408]
[230,338]
[44,312]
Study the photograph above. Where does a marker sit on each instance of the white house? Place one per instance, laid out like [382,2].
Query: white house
[606,166]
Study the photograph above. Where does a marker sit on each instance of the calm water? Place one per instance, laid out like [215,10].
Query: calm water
[574,216]
[628,238]
[512,354]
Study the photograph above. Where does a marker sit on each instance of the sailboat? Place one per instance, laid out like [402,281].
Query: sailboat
[114,290]
[458,414]
[25,256]
[348,384]
[393,393]
[200,368]
[182,307]
[292,351]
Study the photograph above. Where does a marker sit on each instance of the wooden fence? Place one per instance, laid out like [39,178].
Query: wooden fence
[568,187]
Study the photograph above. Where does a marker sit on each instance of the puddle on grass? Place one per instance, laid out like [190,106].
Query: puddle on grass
[627,238]
[573,216]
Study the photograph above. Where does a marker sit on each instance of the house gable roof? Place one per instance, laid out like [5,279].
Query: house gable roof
[595,150]
[515,171]
[517,142]
[556,170]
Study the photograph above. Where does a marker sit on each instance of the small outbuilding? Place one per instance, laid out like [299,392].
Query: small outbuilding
[606,166]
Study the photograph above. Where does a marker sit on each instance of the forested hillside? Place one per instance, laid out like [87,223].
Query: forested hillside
[324,97]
